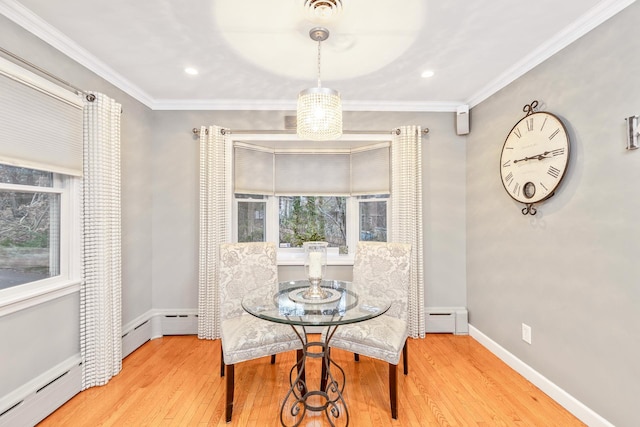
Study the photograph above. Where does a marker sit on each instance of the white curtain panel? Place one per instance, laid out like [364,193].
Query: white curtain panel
[101,289]
[215,219]
[406,215]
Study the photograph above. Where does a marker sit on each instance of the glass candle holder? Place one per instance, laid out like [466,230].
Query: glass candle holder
[315,264]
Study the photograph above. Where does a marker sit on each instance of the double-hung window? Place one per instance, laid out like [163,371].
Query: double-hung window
[41,127]
[289,197]
[35,216]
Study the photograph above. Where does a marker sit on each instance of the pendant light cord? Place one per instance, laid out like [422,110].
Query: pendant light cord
[319,83]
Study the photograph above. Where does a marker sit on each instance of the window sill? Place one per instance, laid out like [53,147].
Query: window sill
[297,258]
[24,296]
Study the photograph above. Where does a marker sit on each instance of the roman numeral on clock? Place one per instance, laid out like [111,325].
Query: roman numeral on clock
[530,124]
[543,123]
[555,132]
[517,132]
[508,178]
[554,172]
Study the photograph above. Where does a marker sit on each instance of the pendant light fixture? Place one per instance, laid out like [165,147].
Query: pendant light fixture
[319,115]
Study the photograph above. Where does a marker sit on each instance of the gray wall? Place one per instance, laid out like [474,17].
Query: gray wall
[175,199]
[36,339]
[569,272]
[160,213]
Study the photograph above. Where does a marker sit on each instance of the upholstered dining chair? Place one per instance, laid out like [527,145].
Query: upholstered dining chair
[384,268]
[244,267]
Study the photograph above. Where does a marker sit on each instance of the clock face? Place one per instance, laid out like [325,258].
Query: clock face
[534,157]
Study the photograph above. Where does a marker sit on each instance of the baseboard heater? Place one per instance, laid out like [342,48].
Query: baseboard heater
[36,406]
[451,320]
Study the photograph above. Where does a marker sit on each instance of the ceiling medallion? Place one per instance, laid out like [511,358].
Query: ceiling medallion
[323,9]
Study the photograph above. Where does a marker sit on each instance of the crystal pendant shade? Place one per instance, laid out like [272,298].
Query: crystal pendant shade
[319,114]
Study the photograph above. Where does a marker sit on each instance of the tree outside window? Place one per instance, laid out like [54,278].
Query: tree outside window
[373,221]
[312,218]
[29,226]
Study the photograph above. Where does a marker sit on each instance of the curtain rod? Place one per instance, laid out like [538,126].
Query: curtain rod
[196,131]
[90,97]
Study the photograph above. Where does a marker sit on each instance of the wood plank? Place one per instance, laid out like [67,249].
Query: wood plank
[175,381]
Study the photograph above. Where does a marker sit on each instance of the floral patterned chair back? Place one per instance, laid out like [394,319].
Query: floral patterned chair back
[243,267]
[385,267]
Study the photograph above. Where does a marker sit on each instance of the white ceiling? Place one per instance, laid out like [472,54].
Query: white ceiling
[257,54]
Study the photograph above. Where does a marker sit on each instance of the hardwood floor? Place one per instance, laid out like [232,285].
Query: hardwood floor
[175,381]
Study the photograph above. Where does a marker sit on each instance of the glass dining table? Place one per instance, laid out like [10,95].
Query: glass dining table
[343,303]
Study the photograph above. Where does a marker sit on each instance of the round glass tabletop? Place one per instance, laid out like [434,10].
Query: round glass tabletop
[344,303]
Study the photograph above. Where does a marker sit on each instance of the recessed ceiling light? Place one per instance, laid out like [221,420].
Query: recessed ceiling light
[191,71]
[427,73]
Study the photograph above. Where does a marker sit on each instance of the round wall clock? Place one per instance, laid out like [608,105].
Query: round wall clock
[534,157]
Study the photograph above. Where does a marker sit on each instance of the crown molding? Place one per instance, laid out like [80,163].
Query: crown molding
[224,104]
[31,22]
[590,20]
[406,106]
[290,105]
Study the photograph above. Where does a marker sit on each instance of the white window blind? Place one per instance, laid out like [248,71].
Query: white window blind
[370,172]
[262,170]
[313,174]
[253,171]
[40,122]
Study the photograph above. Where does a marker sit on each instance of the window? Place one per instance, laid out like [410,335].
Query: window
[292,220]
[41,138]
[310,218]
[251,218]
[372,218]
[289,194]
[34,207]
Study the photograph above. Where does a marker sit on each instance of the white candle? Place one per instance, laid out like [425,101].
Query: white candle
[315,265]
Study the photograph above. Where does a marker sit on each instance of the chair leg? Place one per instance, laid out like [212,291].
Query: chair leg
[299,355]
[221,363]
[229,408]
[393,390]
[405,358]
[273,359]
[356,357]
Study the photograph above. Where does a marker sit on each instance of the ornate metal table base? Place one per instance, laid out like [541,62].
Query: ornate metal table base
[328,398]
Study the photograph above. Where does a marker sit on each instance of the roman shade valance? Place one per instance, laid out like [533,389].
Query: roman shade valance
[260,170]
[40,122]
[252,170]
[371,170]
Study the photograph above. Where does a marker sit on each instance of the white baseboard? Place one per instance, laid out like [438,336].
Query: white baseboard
[34,401]
[570,403]
[158,323]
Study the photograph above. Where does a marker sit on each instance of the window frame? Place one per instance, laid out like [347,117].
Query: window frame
[295,256]
[29,294]
[373,199]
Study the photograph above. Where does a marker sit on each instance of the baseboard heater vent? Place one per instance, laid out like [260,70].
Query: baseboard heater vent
[43,400]
[180,324]
[452,320]
[141,325]
[10,409]
[51,382]
[135,338]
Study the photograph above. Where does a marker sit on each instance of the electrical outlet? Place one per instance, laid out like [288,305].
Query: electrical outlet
[526,333]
